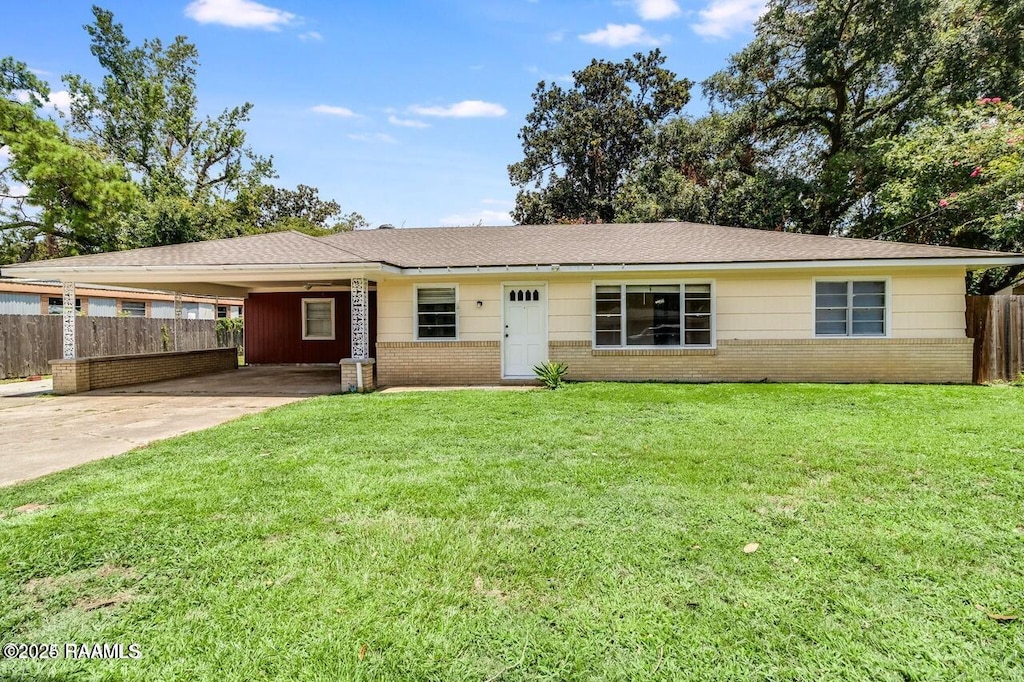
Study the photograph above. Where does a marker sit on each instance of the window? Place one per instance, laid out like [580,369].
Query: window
[652,315]
[435,313]
[854,308]
[55,306]
[133,308]
[222,312]
[318,319]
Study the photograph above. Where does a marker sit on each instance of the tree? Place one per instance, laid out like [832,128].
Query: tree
[707,171]
[822,81]
[959,181]
[58,196]
[581,144]
[267,208]
[144,115]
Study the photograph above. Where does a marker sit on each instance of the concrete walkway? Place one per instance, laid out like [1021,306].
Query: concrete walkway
[41,433]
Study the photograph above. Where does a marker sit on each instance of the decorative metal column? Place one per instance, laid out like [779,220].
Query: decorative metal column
[360,319]
[177,316]
[68,314]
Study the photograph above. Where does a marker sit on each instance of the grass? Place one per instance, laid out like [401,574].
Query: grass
[595,532]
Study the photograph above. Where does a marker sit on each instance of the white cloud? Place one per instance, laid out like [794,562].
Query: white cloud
[16,190]
[5,154]
[59,100]
[620,35]
[372,137]
[343,112]
[655,10]
[470,108]
[479,217]
[723,18]
[407,122]
[311,37]
[239,14]
[556,36]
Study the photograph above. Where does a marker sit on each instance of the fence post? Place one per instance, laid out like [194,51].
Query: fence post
[177,317]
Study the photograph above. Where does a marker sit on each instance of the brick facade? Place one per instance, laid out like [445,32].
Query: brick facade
[350,370]
[438,363]
[926,361]
[86,374]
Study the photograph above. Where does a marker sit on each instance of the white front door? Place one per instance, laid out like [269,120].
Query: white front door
[525,343]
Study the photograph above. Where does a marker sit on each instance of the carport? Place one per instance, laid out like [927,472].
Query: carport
[308,302]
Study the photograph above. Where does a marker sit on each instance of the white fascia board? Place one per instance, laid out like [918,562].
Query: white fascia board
[968,263]
[204,273]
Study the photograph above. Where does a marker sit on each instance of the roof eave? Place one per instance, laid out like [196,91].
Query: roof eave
[195,273]
[964,262]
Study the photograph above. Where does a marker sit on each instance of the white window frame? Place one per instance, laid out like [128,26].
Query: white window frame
[682,312]
[886,318]
[416,312]
[334,321]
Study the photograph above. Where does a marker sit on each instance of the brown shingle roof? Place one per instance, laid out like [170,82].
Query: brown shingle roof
[276,248]
[644,243]
[636,244]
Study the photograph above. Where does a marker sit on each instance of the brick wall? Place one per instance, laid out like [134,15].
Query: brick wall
[816,360]
[438,363]
[350,380]
[86,374]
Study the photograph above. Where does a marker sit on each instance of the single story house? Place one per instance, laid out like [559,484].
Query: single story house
[669,301]
[34,297]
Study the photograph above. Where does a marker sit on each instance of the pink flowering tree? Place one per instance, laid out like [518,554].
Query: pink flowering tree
[959,181]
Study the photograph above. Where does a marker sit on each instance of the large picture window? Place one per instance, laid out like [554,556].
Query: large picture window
[852,308]
[652,315]
[436,317]
[318,319]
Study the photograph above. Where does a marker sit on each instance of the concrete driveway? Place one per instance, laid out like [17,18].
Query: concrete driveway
[41,433]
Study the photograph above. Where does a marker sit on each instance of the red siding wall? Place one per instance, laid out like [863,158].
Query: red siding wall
[273,329]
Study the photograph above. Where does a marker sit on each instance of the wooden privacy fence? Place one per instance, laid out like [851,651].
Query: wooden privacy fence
[996,323]
[29,342]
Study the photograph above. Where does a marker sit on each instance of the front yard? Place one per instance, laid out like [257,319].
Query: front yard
[596,532]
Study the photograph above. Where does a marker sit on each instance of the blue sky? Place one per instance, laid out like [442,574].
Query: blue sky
[405,111]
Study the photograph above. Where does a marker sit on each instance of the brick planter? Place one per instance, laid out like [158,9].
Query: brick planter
[87,374]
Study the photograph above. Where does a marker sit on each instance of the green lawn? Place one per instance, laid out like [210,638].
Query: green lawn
[596,532]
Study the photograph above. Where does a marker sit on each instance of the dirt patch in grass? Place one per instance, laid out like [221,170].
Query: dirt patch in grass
[31,507]
[93,603]
[88,589]
[493,592]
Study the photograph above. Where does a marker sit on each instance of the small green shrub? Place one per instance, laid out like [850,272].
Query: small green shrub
[551,373]
[230,324]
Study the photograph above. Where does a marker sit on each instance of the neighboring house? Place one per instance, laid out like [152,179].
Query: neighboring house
[31,297]
[663,301]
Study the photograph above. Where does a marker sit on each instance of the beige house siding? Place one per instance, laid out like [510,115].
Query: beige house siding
[764,323]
